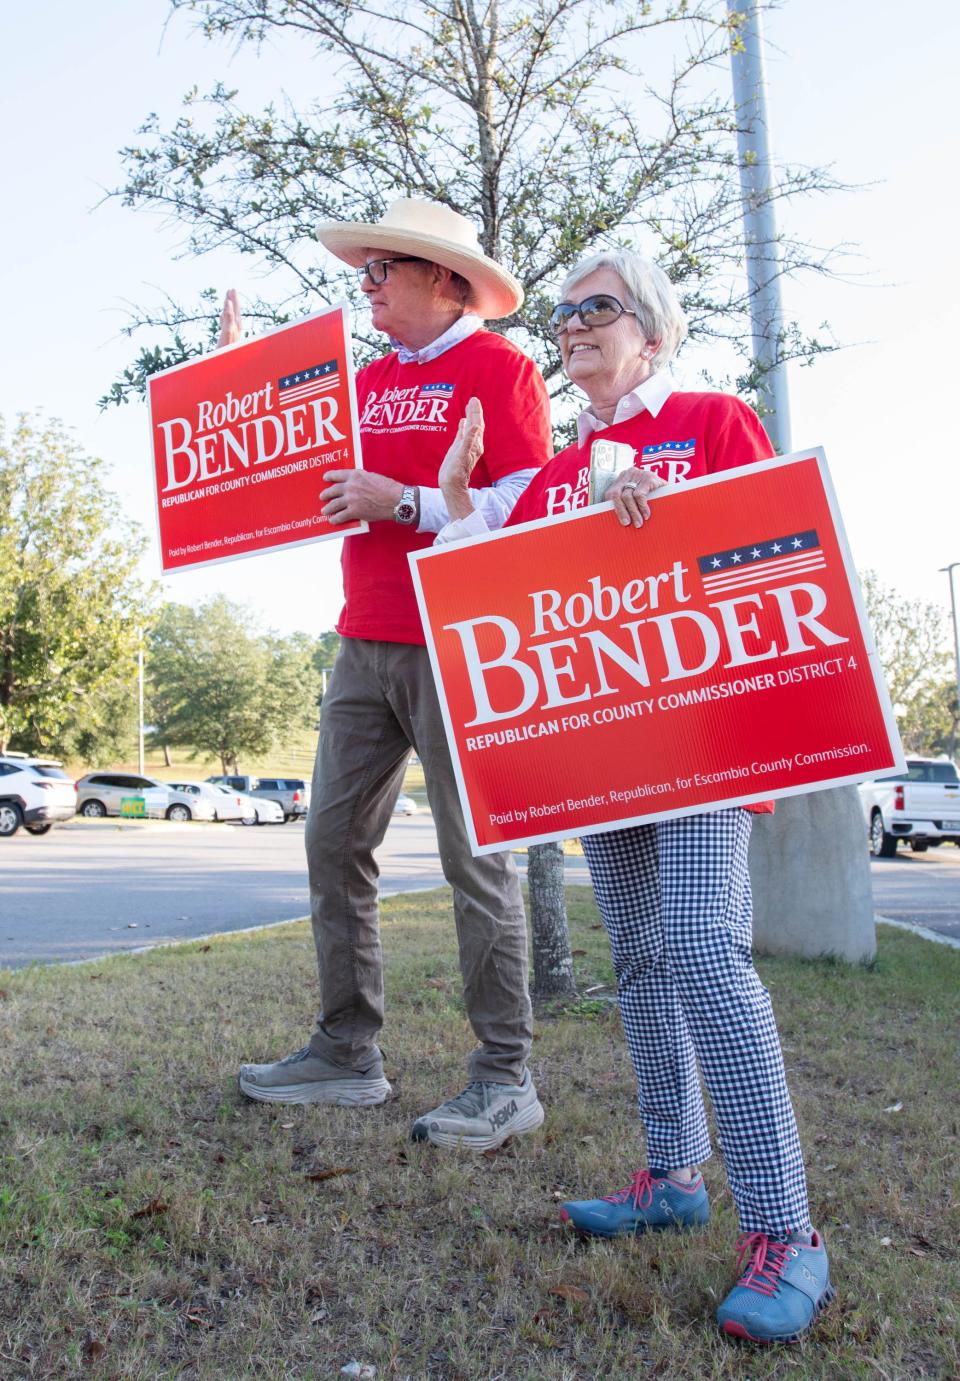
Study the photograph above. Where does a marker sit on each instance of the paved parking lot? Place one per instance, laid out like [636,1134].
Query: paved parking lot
[98,887]
[94,888]
[920,889]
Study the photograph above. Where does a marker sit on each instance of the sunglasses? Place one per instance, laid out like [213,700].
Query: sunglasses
[376,270]
[600,309]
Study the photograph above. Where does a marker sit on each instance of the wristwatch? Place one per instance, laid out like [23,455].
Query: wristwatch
[406,510]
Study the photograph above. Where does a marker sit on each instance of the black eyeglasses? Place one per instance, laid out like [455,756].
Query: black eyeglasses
[376,270]
[600,309]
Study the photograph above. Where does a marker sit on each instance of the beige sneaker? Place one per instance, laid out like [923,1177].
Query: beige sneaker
[483,1116]
[307,1078]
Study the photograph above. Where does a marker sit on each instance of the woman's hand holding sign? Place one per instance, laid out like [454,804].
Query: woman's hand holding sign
[628,494]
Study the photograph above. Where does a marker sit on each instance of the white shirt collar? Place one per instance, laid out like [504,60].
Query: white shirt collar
[651,394]
[463,327]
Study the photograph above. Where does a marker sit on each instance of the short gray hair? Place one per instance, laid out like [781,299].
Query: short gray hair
[649,293]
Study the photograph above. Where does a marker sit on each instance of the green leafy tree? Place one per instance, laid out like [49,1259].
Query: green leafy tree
[294,684]
[931,723]
[71,604]
[217,687]
[105,727]
[914,651]
[531,119]
[325,652]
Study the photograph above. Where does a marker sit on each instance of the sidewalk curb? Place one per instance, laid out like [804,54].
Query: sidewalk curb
[920,930]
[80,824]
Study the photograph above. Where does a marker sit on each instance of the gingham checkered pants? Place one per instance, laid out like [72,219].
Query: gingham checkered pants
[675,900]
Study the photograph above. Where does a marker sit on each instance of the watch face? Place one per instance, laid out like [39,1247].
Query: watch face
[405,511]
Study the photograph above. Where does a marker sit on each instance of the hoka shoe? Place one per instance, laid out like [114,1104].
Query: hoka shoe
[483,1116]
[780,1293]
[307,1078]
[650,1202]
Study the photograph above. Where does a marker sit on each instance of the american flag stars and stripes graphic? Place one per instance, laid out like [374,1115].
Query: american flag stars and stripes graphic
[670,450]
[756,563]
[436,390]
[318,378]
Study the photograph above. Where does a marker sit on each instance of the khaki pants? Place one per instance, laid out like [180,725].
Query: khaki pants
[381,701]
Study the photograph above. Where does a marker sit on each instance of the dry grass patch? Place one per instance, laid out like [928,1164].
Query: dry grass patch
[153,1224]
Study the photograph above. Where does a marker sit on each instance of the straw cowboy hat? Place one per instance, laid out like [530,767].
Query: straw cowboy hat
[433,232]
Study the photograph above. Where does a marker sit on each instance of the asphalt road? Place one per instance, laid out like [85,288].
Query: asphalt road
[97,887]
[93,888]
[920,889]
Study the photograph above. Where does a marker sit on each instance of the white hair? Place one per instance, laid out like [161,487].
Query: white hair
[649,293]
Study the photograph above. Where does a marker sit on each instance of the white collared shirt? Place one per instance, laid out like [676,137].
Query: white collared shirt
[650,395]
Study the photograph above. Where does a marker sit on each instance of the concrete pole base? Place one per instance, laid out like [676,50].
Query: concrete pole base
[810,872]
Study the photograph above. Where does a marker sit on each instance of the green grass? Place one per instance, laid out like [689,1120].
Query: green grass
[153,1224]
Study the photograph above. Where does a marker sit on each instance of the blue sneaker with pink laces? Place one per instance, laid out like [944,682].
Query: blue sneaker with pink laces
[649,1203]
[781,1290]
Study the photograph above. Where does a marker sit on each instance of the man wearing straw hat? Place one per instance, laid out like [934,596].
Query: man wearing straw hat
[430,287]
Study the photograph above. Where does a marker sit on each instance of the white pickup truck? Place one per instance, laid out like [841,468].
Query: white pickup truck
[921,806]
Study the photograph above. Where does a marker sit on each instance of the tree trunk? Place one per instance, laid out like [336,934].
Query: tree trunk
[552,960]
[166,756]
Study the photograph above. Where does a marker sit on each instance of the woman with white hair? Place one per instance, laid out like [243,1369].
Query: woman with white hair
[675,895]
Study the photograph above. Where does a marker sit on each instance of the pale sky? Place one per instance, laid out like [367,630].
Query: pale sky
[855,85]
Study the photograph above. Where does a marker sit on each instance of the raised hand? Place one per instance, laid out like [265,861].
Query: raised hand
[229,319]
[460,460]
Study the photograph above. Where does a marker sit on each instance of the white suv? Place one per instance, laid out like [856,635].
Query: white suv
[34,792]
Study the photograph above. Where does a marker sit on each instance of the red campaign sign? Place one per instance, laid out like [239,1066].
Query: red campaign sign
[594,676]
[242,438]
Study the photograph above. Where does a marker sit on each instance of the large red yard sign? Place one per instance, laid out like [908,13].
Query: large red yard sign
[242,438]
[593,675]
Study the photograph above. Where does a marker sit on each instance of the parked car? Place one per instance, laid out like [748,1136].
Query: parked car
[35,793]
[232,804]
[126,793]
[192,801]
[292,794]
[405,805]
[265,812]
[921,806]
[248,785]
